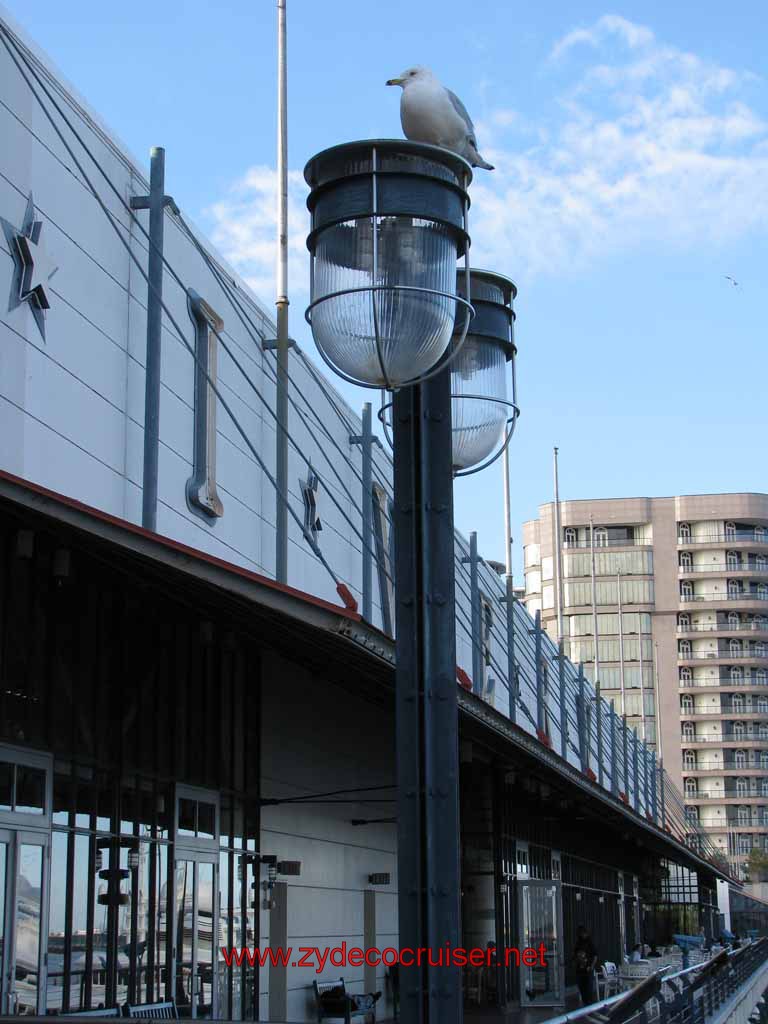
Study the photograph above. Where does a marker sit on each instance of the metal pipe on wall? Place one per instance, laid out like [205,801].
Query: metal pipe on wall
[281,396]
[558,555]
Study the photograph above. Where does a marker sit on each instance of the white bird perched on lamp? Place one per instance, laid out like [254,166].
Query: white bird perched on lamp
[431,113]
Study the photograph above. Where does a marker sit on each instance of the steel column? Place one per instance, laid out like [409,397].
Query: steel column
[426,699]
[474,590]
[614,752]
[636,770]
[540,719]
[661,795]
[563,707]
[583,724]
[511,667]
[155,202]
[654,802]
[625,753]
[599,707]
[366,440]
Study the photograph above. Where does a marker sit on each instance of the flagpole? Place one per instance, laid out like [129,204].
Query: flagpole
[282,344]
[558,555]
[621,645]
[594,600]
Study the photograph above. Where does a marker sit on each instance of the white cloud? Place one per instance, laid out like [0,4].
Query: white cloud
[645,143]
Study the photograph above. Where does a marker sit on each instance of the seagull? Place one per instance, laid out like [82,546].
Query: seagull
[431,113]
[734,282]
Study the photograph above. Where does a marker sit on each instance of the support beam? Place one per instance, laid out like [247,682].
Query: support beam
[563,703]
[426,699]
[541,721]
[366,440]
[474,591]
[599,709]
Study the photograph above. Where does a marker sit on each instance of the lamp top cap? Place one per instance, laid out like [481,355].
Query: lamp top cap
[489,278]
[350,155]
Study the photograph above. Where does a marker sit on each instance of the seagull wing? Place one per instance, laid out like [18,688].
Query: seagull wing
[461,110]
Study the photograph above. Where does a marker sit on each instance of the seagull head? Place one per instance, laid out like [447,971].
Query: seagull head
[410,75]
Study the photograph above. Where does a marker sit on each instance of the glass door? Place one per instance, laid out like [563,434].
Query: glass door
[540,914]
[196,945]
[23,903]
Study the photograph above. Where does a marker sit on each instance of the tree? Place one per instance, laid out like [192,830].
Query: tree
[757,865]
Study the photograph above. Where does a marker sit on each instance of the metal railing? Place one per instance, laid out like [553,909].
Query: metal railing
[606,543]
[728,711]
[722,627]
[727,680]
[691,996]
[714,538]
[723,738]
[724,567]
[724,766]
[704,655]
[744,595]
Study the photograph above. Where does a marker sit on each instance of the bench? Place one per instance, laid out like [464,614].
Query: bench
[156,1011]
[334,1003]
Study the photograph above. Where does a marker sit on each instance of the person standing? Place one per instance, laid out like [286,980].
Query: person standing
[585,959]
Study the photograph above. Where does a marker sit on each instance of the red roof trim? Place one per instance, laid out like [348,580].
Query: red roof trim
[175,545]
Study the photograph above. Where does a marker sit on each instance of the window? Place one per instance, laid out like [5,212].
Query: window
[745,842]
[734,588]
[686,560]
[760,650]
[689,759]
[686,675]
[759,622]
[692,813]
[197,816]
[737,704]
[742,787]
[733,620]
[686,702]
[732,559]
[736,673]
[761,677]
[689,731]
[684,531]
[570,536]
[762,591]
[684,648]
[764,787]
[734,648]
[759,532]
[691,787]
[684,620]
[202,496]
[763,731]
[740,758]
[760,561]
[730,530]
[686,590]
[764,758]
[743,815]
[739,730]
[383,536]
[601,537]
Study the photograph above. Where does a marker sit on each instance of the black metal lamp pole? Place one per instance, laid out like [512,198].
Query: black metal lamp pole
[388,225]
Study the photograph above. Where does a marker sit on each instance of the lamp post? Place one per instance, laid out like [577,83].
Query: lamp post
[389,222]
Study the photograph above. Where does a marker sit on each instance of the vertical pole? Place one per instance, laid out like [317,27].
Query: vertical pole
[595,631]
[507,510]
[654,798]
[540,720]
[584,731]
[621,645]
[614,752]
[367,506]
[642,683]
[157,203]
[661,795]
[656,693]
[425,699]
[563,708]
[599,707]
[511,667]
[558,555]
[636,769]
[281,395]
[474,592]
[625,753]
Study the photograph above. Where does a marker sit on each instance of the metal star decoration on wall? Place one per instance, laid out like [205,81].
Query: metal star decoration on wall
[33,267]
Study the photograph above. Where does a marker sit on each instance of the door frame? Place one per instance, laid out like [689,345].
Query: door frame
[543,883]
[15,838]
[197,857]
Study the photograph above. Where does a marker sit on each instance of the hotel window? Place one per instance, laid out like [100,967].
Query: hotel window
[684,531]
[601,537]
[732,559]
[734,588]
[759,650]
[740,758]
[685,648]
[736,673]
[570,536]
[692,813]
[686,590]
[734,648]
[760,561]
[742,787]
[684,620]
[738,702]
[686,559]
[762,590]
[691,787]
[763,731]
[689,758]
[686,702]
[730,530]
[738,730]
[764,758]
[764,787]
[743,815]
[761,677]
[686,675]
[202,496]
[733,620]
[759,532]
[689,731]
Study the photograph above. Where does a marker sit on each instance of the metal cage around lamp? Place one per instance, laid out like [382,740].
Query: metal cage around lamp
[389,222]
[483,411]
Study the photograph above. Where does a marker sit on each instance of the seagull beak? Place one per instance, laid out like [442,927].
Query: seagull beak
[395,81]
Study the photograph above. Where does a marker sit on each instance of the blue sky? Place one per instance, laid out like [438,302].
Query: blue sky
[631,147]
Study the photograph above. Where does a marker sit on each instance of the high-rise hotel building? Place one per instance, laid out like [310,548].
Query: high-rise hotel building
[675,592]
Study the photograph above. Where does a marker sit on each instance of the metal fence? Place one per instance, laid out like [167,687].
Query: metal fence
[692,996]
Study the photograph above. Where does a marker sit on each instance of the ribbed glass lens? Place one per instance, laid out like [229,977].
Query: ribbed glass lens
[413,328]
[478,424]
